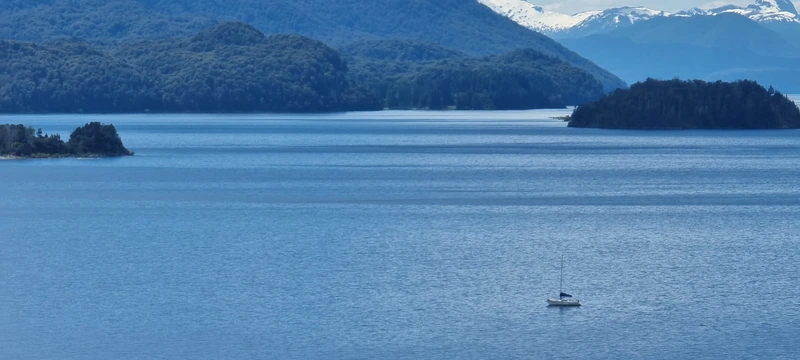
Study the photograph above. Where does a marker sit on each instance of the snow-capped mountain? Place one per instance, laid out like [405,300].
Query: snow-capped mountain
[770,5]
[536,17]
[610,19]
[553,23]
[694,12]
[561,25]
[769,11]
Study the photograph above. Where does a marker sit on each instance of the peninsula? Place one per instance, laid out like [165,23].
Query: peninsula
[91,140]
[690,104]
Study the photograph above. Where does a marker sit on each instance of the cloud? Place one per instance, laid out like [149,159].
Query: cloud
[554,7]
[713,4]
[581,5]
[716,4]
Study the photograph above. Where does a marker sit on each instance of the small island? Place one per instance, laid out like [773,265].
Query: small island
[91,140]
[690,104]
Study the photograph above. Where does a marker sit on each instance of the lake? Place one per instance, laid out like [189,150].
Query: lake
[401,235]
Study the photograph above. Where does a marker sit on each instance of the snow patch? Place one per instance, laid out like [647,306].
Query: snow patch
[768,11]
[553,22]
[532,16]
[547,21]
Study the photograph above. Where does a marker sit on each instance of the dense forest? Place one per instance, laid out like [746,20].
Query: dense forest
[416,75]
[227,68]
[399,50]
[693,104]
[70,76]
[465,26]
[92,139]
[232,67]
[101,22]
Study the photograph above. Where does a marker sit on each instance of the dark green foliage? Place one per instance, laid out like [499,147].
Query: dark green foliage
[92,139]
[17,140]
[523,79]
[229,68]
[67,76]
[100,21]
[233,33]
[441,86]
[572,85]
[399,50]
[232,67]
[692,104]
[466,26]
[98,139]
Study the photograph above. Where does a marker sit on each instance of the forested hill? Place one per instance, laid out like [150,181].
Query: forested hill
[414,75]
[232,67]
[228,68]
[694,104]
[399,50]
[70,76]
[101,22]
[462,25]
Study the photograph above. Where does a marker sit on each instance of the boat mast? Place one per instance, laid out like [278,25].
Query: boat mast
[561,284]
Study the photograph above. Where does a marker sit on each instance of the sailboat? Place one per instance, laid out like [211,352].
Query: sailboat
[564,299]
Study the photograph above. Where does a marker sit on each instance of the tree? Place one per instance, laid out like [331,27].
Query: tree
[92,139]
[692,104]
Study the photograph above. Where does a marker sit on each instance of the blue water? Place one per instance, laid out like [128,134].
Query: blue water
[401,235]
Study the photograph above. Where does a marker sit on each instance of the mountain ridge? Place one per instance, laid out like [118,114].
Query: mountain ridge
[776,13]
[723,47]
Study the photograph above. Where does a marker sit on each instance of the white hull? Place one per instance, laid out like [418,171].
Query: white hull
[563,299]
[563,302]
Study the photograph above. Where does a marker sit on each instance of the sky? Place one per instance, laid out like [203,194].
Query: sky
[665,5]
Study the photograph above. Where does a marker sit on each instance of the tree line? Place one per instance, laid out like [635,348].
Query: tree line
[92,139]
[409,74]
[233,67]
[227,68]
[690,104]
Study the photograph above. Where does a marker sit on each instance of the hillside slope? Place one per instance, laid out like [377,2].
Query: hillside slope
[409,74]
[722,47]
[463,25]
[227,68]
[232,67]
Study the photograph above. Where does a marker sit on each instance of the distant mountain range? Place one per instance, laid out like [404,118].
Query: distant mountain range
[776,14]
[760,42]
[722,47]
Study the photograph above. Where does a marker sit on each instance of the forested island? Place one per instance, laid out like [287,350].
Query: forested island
[91,140]
[232,67]
[690,104]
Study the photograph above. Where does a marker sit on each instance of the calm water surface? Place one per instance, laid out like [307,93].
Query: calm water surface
[401,235]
